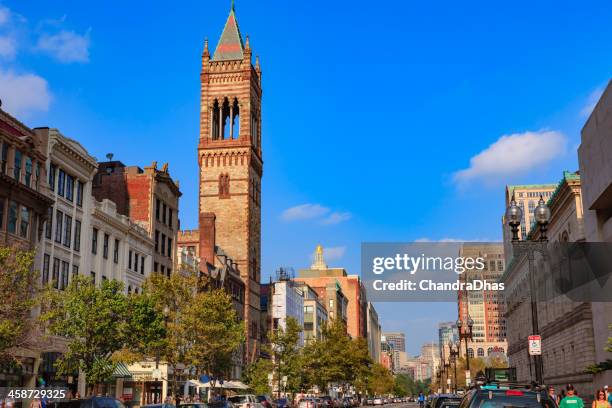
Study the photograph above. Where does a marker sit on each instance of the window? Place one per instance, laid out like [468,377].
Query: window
[61,183]
[28,171]
[94,241]
[79,194]
[471,353]
[130,260]
[116,252]
[163,244]
[157,209]
[17,170]
[162,269]
[64,282]
[224,185]
[52,170]
[37,175]
[56,271]
[480,352]
[59,224]
[67,231]
[4,157]
[142,262]
[75,270]
[49,223]
[155,266]
[69,187]
[45,269]
[156,241]
[164,210]
[170,248]
[77,235]
[136,262]
[92,275]
[105,246]
[169,272]
[170,217]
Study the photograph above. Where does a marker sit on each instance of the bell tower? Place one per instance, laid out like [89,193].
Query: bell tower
[231,165]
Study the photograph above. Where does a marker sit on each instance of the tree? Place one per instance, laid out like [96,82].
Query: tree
[94,320]
[381,381]
[18,291]
[256,376]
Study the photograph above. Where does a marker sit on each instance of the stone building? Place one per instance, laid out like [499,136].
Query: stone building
[231,165]
[595,158]
[373,331]
[566,326]
[315,315]
[150,198]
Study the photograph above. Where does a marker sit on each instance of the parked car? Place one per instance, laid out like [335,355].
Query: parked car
[510,396]
[245,401]
[156,406]
[93,402]
[378,401]
[193,405]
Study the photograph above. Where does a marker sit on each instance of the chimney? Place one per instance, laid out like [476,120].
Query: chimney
[207,237]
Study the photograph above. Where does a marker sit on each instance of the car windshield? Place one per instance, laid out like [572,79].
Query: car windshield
[502,400]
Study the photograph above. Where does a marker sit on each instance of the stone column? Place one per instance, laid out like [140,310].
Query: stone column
[220,121]
[231,121]
[211,125]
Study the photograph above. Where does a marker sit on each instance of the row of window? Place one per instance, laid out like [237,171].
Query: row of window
[59,272]
[23,165]
[63,229]
[134,265]
[66,184]
[163,244]
[163,213]
[162,269]
[536,194]
[481,351]
[19,218]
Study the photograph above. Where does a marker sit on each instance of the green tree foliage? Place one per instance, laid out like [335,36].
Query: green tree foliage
[18,291]
[94,320]
[381,381]
[256,376]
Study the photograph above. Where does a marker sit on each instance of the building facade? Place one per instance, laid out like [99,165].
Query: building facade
[287,301]
[447,332]
[150,198]
[485,307]
[373,333]
[231,164]
[398,343]
[595,156]
[315,315]
[321,276]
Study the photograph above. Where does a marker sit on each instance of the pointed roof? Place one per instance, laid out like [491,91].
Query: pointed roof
[230,46]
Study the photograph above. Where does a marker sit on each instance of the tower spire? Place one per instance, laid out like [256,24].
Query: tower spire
[230,46]
[233,6]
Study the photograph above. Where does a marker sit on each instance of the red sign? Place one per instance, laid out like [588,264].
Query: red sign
[535,345]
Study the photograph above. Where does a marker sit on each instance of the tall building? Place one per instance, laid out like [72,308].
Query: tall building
[595,156]
[373,332]
[231,164]
[566,325]
[321,276]
[484,307]
[430,355]
[150,198]
[447,332]
[398,342]
[287,301]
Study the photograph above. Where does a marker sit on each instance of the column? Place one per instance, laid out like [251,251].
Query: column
[212,122]
[220,121]
[231,121]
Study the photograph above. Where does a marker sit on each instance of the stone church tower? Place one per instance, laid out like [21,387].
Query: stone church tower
[231,167]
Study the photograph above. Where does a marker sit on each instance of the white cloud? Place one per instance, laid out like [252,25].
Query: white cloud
[592,100]
[336,218]
[8,47]
[5,15]
[23,93]
[514,154]
[65,46]
[304,212]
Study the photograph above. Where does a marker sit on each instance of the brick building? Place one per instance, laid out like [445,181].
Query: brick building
[324,279]
[231,166]
[150,198]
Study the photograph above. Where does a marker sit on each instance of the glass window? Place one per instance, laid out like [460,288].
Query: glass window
[77,235]
[4,157]
[69,187]
[92,275]
[37,175]
[105,246]
[156,241]
[157,209]
[12,216]
[61,179]
[94,241]
[28,171]
[49,223]
[75,270]
[67,231]
[130,260]
[163,244]
[170,217]
[25,222]
[170,248]
[56,273]
[52,170]
[17,170]
[79,195]
[142,262]
[45,269]
[59,224]
[136,262]
[164,213]
[65,268]
[116,252]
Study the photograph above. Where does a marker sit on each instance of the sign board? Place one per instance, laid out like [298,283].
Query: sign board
[535,345]
[156,374]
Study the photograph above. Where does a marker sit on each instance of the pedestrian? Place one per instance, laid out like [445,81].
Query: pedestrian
[35,403]
[608,394]
[421,400]
[551,393]
[571,400]
[600,400]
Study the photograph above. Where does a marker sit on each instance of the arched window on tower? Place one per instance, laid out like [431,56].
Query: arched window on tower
[225,118]
[235,113]
[214,121]
[224,185]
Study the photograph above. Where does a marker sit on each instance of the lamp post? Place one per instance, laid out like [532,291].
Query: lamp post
[453,351]
[514,216]
[465,335]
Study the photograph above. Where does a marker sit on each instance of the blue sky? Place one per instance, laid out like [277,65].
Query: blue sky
[381,121]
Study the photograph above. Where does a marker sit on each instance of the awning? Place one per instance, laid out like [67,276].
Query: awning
[121,371]
[233,385]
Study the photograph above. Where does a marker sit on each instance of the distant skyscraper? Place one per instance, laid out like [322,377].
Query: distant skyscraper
[447,331]
[398,342]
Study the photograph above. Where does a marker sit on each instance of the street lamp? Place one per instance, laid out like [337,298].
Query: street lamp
[454,353]
[465,335]
[514,216]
